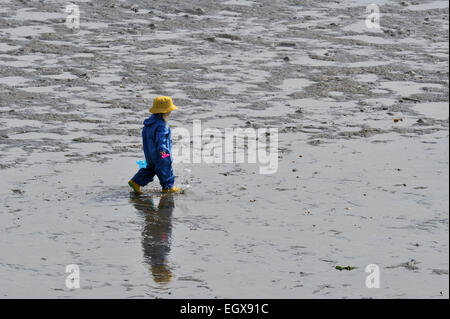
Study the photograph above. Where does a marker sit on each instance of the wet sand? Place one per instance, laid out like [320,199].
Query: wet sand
[353,187]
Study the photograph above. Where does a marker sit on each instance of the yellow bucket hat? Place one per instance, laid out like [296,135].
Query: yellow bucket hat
[163,104]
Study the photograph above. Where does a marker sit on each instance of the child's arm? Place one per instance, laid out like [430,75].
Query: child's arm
[161,140]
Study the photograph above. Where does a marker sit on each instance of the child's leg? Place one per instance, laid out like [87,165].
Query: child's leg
[144,175]
[165,174]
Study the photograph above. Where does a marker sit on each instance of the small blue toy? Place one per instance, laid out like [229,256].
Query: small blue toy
[142,164]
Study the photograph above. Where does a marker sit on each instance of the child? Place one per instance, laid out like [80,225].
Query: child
[157,144]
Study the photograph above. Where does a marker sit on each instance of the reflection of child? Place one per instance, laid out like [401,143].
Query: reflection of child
[157,234]
[157,144]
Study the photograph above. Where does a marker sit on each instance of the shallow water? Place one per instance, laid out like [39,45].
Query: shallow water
[353,186]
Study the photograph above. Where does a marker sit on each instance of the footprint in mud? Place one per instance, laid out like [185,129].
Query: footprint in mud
[440,271]
[323,287]
[109,195]
[410,265]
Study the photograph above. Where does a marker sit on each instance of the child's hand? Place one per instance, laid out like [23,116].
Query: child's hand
[164,155]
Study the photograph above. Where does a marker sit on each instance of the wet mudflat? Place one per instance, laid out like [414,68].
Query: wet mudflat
[362,118]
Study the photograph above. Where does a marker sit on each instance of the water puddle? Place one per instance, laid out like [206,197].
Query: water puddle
[14,80]
[370,39]
[105,79]
[370,78]
[428,6]
[61,76]
[20,33]
[292,85]
[41,89]
[28,14]
[247,3]
[406,88]
[361,27]
[436,110]
[4,47]
[21,61]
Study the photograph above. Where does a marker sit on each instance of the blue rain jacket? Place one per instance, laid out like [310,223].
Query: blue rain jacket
[157,138]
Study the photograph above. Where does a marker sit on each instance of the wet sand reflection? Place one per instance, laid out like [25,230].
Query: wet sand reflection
[156,235]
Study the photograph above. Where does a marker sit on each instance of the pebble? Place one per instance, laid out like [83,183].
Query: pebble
[199,11]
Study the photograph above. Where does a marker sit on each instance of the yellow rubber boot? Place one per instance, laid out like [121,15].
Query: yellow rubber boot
[171,190]
[135,187]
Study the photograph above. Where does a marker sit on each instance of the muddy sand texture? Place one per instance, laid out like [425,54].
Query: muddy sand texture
[354,187]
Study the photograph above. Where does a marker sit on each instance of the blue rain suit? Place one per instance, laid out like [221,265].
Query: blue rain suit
[156,138]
